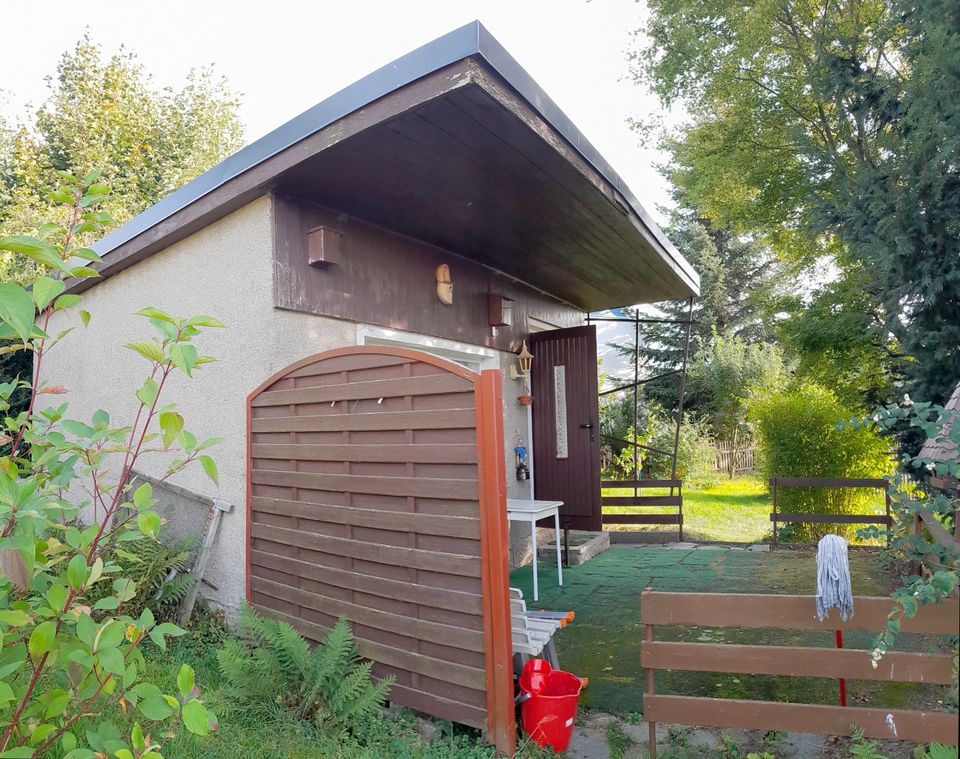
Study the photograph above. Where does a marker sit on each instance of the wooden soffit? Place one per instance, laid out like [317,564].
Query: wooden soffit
[459,157]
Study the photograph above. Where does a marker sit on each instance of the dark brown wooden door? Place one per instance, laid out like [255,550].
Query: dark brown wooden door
[566,424]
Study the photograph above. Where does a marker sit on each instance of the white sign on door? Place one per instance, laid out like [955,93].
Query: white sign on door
[560,407]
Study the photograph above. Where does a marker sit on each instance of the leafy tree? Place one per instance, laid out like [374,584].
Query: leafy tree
[828,130]
[724,376]
[740,285]
[837,339]
[106,113]
[741,289]
[72,655]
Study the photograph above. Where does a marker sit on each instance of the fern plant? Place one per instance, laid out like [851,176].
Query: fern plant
[273,665]
[936,751]
[860,748]
[159,572]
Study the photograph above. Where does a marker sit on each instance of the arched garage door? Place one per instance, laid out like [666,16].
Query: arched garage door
[376,492]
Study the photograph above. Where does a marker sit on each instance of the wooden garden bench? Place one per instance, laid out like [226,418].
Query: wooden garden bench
[533,631]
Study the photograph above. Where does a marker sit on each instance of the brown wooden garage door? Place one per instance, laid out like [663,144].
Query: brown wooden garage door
[376,493]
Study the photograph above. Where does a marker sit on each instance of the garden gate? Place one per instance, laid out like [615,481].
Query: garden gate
[376,492]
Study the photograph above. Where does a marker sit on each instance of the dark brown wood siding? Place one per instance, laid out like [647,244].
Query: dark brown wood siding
[389,280]
[364,503]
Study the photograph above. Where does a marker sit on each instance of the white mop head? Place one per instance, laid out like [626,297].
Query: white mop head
[834,590]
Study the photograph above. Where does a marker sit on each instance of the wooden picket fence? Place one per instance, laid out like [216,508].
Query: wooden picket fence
[792,613]
[744,460]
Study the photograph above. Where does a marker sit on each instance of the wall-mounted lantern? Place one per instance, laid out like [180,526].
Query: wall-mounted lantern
[444,285]
[521,369]
[499,310]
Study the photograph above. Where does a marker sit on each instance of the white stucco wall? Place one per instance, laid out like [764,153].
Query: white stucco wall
[225,271]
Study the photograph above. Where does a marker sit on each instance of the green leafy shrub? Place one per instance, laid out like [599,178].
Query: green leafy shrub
[799,437]
[274,666]
[724,375]
[624,466]
[71,657]
[696,452]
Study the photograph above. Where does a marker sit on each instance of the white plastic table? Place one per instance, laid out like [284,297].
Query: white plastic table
[533,512]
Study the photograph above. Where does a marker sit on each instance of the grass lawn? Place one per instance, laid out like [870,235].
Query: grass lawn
[270,733]
[736,511]
[733,511]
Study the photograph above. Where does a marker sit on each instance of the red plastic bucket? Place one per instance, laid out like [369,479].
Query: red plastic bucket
[549,705]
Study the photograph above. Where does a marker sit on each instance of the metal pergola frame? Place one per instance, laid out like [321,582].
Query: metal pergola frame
[680,374]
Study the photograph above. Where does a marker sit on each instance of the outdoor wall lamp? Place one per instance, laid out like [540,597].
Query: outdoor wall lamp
[444,285]
[521,369]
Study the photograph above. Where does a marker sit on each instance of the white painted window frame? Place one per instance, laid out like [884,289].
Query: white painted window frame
[476,358]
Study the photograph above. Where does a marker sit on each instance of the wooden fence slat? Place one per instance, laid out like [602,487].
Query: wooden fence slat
[402,521]
[607,484]
[430,384]
[447,635]
[782,516]
[442,708]
[744,459]
[349,364]
[403,454]
[835,483]
[432,561]
[642,519]
[797,661]
[642,500]
[937,531]
[432,419]
[419,487]
[891,724]
[439,669]
[424,595]
[787,612]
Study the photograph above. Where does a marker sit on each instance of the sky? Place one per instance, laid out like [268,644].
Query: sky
[284,57]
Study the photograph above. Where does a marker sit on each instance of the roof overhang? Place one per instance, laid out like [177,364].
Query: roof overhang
[456,145]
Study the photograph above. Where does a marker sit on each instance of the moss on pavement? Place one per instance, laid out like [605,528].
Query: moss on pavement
[603,643]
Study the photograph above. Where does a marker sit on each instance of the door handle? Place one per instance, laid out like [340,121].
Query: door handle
[589,426]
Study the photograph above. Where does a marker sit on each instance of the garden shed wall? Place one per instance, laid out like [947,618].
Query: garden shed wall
[224,270]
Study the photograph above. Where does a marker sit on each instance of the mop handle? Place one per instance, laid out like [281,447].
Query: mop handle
[842,681]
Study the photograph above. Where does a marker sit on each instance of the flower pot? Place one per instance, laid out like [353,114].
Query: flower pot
[525,400]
